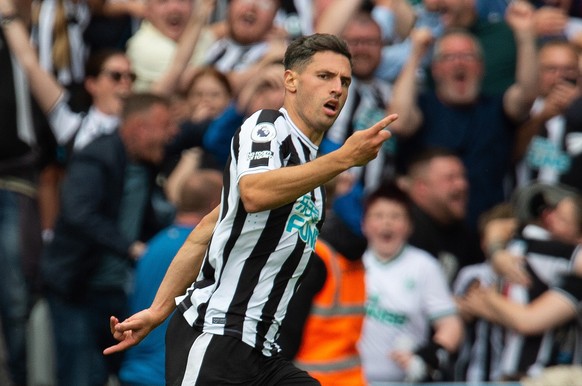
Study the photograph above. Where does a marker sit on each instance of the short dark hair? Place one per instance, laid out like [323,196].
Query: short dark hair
[96,61]
[141,102]
[216,74]
[420,160]
[389,191]
[301,50]
[200,192]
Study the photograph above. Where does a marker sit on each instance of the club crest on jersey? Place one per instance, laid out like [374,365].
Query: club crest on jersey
[263,132]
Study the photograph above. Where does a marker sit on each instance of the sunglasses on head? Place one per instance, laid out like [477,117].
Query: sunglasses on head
[117,75]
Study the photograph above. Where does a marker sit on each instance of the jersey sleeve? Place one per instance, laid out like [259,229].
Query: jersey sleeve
[257,146]
[438,300]
[570,286]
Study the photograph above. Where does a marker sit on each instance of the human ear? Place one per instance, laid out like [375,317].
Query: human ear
[290,80]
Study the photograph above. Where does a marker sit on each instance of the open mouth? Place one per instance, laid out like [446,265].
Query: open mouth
[386,237]
[331,106]
[460,76]
[249,18]
[174,20]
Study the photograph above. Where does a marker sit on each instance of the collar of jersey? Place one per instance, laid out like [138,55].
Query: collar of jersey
[299,133]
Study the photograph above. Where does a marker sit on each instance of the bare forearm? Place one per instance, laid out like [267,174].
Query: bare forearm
[336,16]
[548,311]
[527,69]
[44,87]
[184,268]
[449,332]
[524,135]
[405,17]
[278,187]
[404,99]
[521,95]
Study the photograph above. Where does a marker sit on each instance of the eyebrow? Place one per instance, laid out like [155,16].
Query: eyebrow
[334,73]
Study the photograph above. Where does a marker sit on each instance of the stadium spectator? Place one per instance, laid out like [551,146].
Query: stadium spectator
[457,115]
[498,43]
[540,142]
[106,215]
[199,193]
[153,46]
[437,184]
[538,256]
[404,304]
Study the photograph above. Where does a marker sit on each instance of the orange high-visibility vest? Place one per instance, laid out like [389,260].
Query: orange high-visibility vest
[328,350]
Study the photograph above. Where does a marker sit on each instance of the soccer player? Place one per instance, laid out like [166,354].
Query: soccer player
[250,253]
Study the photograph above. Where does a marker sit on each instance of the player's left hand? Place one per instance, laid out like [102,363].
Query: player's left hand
[131,331]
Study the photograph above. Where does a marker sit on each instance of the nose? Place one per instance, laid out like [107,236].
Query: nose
[337,87]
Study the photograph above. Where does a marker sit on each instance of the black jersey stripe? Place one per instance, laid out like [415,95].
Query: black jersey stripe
[225,192]
[235,146]
[268,116]
[257,148]
[306,153]
[550,248]
[267,242]
[276,294]
[536,349]
[237,227]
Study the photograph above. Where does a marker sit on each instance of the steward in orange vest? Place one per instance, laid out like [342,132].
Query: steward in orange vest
[328,349]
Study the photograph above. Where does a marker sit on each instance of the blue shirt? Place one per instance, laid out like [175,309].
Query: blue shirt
[145,363]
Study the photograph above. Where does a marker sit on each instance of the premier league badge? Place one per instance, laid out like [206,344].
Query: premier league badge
[263,132]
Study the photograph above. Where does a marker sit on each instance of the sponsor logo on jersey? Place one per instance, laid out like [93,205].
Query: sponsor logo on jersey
[255,155]
[375,310]
[263,132]
[304,220]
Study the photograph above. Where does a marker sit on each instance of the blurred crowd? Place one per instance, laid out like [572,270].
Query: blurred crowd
[452,256]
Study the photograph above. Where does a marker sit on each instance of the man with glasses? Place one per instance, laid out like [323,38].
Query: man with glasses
[457,115]
[541,145]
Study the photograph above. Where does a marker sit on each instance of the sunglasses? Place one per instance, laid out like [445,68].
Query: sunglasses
[117,75]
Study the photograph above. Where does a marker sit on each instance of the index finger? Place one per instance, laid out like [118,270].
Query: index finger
[113,321]
[121,346]
[384,122]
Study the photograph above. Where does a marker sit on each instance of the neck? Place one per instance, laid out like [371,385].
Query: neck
[315,136]
[188,218]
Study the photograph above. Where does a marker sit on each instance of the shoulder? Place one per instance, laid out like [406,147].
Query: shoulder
[106,149]
[265,116]
[265,125]
[420,256]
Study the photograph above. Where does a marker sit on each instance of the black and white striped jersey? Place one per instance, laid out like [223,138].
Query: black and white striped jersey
[570,286]
[546,262]
[227,55]
[255,260]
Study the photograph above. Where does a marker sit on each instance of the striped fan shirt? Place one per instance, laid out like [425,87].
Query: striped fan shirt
[255,261]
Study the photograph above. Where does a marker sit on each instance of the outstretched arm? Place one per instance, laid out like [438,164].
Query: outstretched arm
[275,188]
[549,310]
[519,97]
[335,16]
[44,86]
[405,90]
[180,275]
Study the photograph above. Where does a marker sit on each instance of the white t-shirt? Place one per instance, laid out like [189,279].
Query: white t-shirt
[404,297]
